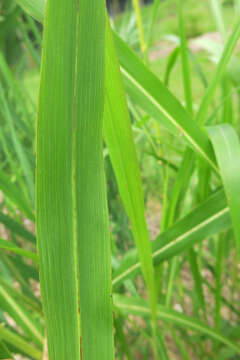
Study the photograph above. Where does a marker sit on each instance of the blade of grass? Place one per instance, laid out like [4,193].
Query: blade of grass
[4,352]
[227,147]
[20,343]
[185,60]
[137,10]
[27,170]
[147,91]
[22,317]
[118,135]
[16,228]
[137,306]
[93,236]
[206,220]
[7,245]
[11,191]
[201,116]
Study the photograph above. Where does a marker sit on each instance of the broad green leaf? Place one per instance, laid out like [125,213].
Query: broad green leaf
[54,189]
[93,236]
[206,220]
[4,244]
[138,307]
[19,343]
[72,220]
[227,148]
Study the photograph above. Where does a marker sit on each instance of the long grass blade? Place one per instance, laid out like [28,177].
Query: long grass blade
[24,347]
[137,307]
[201,116]
[93,237]
[206,220]
[7,245]
[227,147]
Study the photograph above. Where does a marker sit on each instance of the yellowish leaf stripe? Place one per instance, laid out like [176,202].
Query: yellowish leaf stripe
[134,306]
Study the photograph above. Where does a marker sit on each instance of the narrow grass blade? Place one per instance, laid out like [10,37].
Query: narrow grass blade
[185,60]
[172,59]
[15,195]
[201,116]
[35,8]
[16,228]
[7,245]
[22,317]
[29,302]
[4,352]
[147,91]
[217,13]
[227,148]
[19,343]
[137,10]
[118,135]
[54,190]
[206,220]
[137,307]
[27,170]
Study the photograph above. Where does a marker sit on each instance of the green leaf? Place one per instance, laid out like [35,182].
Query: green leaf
[138,307]
[226,56]
[118,135]
[22,317]
[19,343]
[147,90]
[206,220]
[4,244]
[72,220]
[15,195]
[35,8]
[227,148]
[16,228]
[4,352]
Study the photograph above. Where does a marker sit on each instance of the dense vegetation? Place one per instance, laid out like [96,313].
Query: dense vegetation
[124,151]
